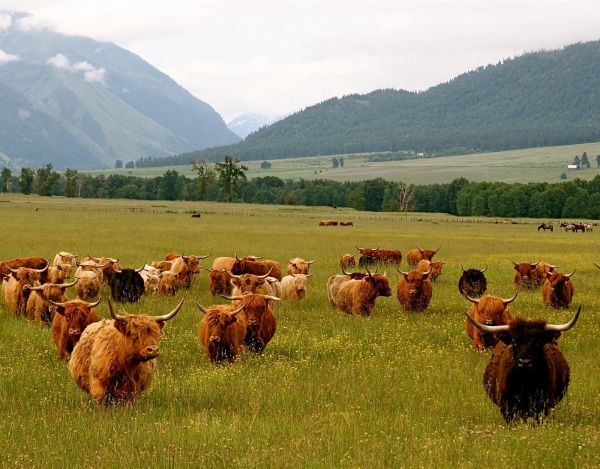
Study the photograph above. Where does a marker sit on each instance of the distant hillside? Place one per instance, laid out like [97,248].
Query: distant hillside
[538,99]
[80,103]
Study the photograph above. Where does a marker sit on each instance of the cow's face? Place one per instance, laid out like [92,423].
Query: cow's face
[27,276]
[558,283]
[427,254]
[525,271]
[78,315]
[169,284]
[526,340]
[142,333]
[380,283]
[473,282]
[219,282]
[415,281]
[248,283]
[217,325]
[255,306]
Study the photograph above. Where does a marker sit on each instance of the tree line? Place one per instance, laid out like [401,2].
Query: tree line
[227,182]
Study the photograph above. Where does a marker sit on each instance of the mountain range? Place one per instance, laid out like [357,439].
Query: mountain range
[244,124]
[80,103]
[542,98]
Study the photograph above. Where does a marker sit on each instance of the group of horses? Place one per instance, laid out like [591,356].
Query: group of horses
[574,227]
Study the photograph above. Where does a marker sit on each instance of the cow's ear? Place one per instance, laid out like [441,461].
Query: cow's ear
[121,326]
[60,310]
[505,338]
[231,319]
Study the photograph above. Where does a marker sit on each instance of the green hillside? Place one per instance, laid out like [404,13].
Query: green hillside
[538,99]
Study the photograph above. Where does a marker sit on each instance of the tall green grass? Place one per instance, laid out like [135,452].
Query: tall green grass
[392,390]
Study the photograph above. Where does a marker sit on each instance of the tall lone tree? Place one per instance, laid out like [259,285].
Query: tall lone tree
[585,163]
[46,178]
[26,180]
[70,182]
[230,171]
[206,176]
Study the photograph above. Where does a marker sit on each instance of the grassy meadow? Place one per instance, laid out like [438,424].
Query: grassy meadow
[393,390]
[543,164]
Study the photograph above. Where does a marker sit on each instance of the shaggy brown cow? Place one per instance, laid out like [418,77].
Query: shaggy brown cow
[299,266]
[15,293]
[89,284]
[114,360]
[540,271]
[59,273]
[70,321]
[527,374]
[162,265]
[260,319]
[256,267]
[65,261]
[219,283]
[347,260]
[358,297]
[335,282]
[415,255]
[472,282]
[525,274]
[169,283]
[434,267]
[186,267]
[558,289]
[249,283]
[38,308]
[414,290]
[293,287]
[89,265]
[35,262]
[387,256]
[222,331]
[275,286]
[151,277]
[491,311]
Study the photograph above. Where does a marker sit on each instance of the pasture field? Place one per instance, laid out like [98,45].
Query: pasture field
[543,164]
[392,390]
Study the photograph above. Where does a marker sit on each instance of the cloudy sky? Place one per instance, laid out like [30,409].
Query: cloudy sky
[277,56]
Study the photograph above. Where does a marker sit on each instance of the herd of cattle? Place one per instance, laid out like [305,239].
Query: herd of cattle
[113,360]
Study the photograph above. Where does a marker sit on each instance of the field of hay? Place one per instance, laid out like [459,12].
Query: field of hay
[392,390]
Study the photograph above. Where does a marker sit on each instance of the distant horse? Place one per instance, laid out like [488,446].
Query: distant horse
[546,226]
[574,227]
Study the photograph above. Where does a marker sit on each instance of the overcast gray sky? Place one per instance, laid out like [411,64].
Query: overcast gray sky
[276,57]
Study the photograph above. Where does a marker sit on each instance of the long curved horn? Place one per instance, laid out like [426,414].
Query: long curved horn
[311,262]
[484,269]
[463,269]
[290,261]
[269,297]
[117,270]
[95,303]
[29,287]
[360,249]
[346,273]
[510,300]
[166,317]
[514,263]
[232,275]
[139,270]
[233,298]
[204,257]
[426,274]
[44,269]
[400,271]
[533,265]
[566,326]
[571,274]
[14,271]
[60,305]
[597,265]
[436,250]
[68,285]
[370,274]
[202,308]
[116,317]
[472,300]
[265,275]
[237,258]
[237,311]
[485,328]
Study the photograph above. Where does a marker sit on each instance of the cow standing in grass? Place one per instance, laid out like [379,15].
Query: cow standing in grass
[261,322]
[38,304]
[298,265]
[414,290]
[115,360]
[222,332]
[558,289]
[527,374]
[15,292]
[491,311]
[69,322]
[434,267]
[415,255]
[357,297]
[525,274]
[293,287]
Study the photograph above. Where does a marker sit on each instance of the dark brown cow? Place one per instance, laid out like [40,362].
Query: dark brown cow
[219,283]
[526,275]
[415,255]
[70,321]
[434,267]
[249,283]
[491,311]
[388,256]
[114,360]
[38,307]
[558,289]
[527,374]
[222,332]
[357,297]
[261,322]
[35,262]
[414,290]
[257,267]
[347,223]
[472,282]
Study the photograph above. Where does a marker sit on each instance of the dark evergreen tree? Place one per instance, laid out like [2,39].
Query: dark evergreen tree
[71,182]
[585,163]
[26,179]
[118,164]
[5,179]
[46,179]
